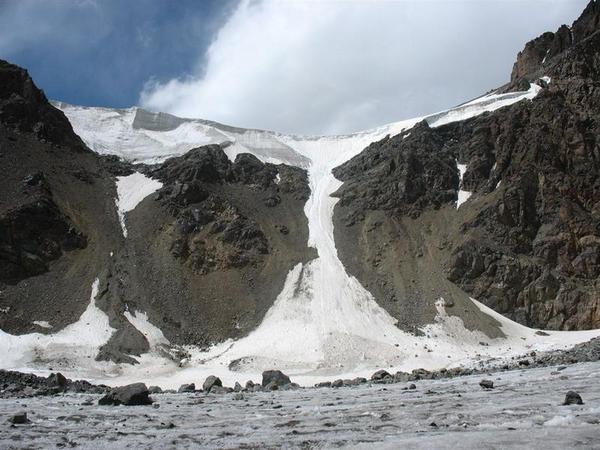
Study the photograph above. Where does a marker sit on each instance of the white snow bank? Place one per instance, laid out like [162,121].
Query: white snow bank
[463,196]
[131,190]
[153,334]
[75,346]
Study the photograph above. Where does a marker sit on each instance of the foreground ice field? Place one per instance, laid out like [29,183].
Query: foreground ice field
[524,410]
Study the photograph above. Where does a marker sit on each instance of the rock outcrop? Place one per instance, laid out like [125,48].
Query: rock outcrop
[528,242]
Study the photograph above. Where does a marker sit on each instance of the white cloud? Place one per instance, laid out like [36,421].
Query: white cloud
[340,66]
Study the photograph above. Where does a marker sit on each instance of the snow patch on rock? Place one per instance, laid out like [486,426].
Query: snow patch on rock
[131,190]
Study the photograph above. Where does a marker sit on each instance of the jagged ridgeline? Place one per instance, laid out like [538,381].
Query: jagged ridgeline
[139,238]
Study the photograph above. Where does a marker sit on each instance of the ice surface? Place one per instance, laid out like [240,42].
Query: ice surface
[131,190]
[524,410]
[324,322]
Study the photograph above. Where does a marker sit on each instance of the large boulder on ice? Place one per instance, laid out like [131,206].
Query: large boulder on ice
[573,398]
[130,395]
[211,382]
[274,378]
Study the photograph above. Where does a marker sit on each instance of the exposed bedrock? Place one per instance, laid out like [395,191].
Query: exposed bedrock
[527,243]
[57,217]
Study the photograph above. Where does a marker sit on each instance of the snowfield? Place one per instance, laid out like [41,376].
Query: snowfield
[324,323]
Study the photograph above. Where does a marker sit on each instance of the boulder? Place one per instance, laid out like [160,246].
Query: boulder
[573,398]
[155,389]
[486,384]
[191,387]
[211,382]
[19,419]
[380,375]
[274,377]
[57,380]
[130,395]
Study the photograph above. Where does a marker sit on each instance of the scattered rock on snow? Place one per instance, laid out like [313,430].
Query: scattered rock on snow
[380,375]
[211,382]
[130,395]
[274,377]
[486,384]
[573,398]
[19,419]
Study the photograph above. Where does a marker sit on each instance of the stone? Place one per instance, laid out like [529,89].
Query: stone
[412,386]
[19,419]
[380,375]
[486,384]
[191,387]
[337,383]
[130,395]
[57,380]
[155,390]
[274,376]
[573,398]
[237,387]
[210,382]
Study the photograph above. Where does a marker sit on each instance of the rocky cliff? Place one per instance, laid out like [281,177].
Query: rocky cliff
[527,243]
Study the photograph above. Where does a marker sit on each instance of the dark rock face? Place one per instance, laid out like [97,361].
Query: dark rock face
[135,394]
[527,243]
[538,54]
[274,378]
[57,217]
[32,236]
[17,384]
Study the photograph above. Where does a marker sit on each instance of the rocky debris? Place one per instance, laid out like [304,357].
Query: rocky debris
[220,390]
[191,387]
[155,390]
[273,379]
[58,380]
[237,387]
[337,383]
[135,394]
[211,382]
[412,386]
[17,384]
[19,419]
[573,398]
[486,384]
[380,375]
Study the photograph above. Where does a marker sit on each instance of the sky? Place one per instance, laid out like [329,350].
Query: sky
[295,66]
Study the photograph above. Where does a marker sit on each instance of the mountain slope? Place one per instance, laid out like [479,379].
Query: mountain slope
[182,247]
